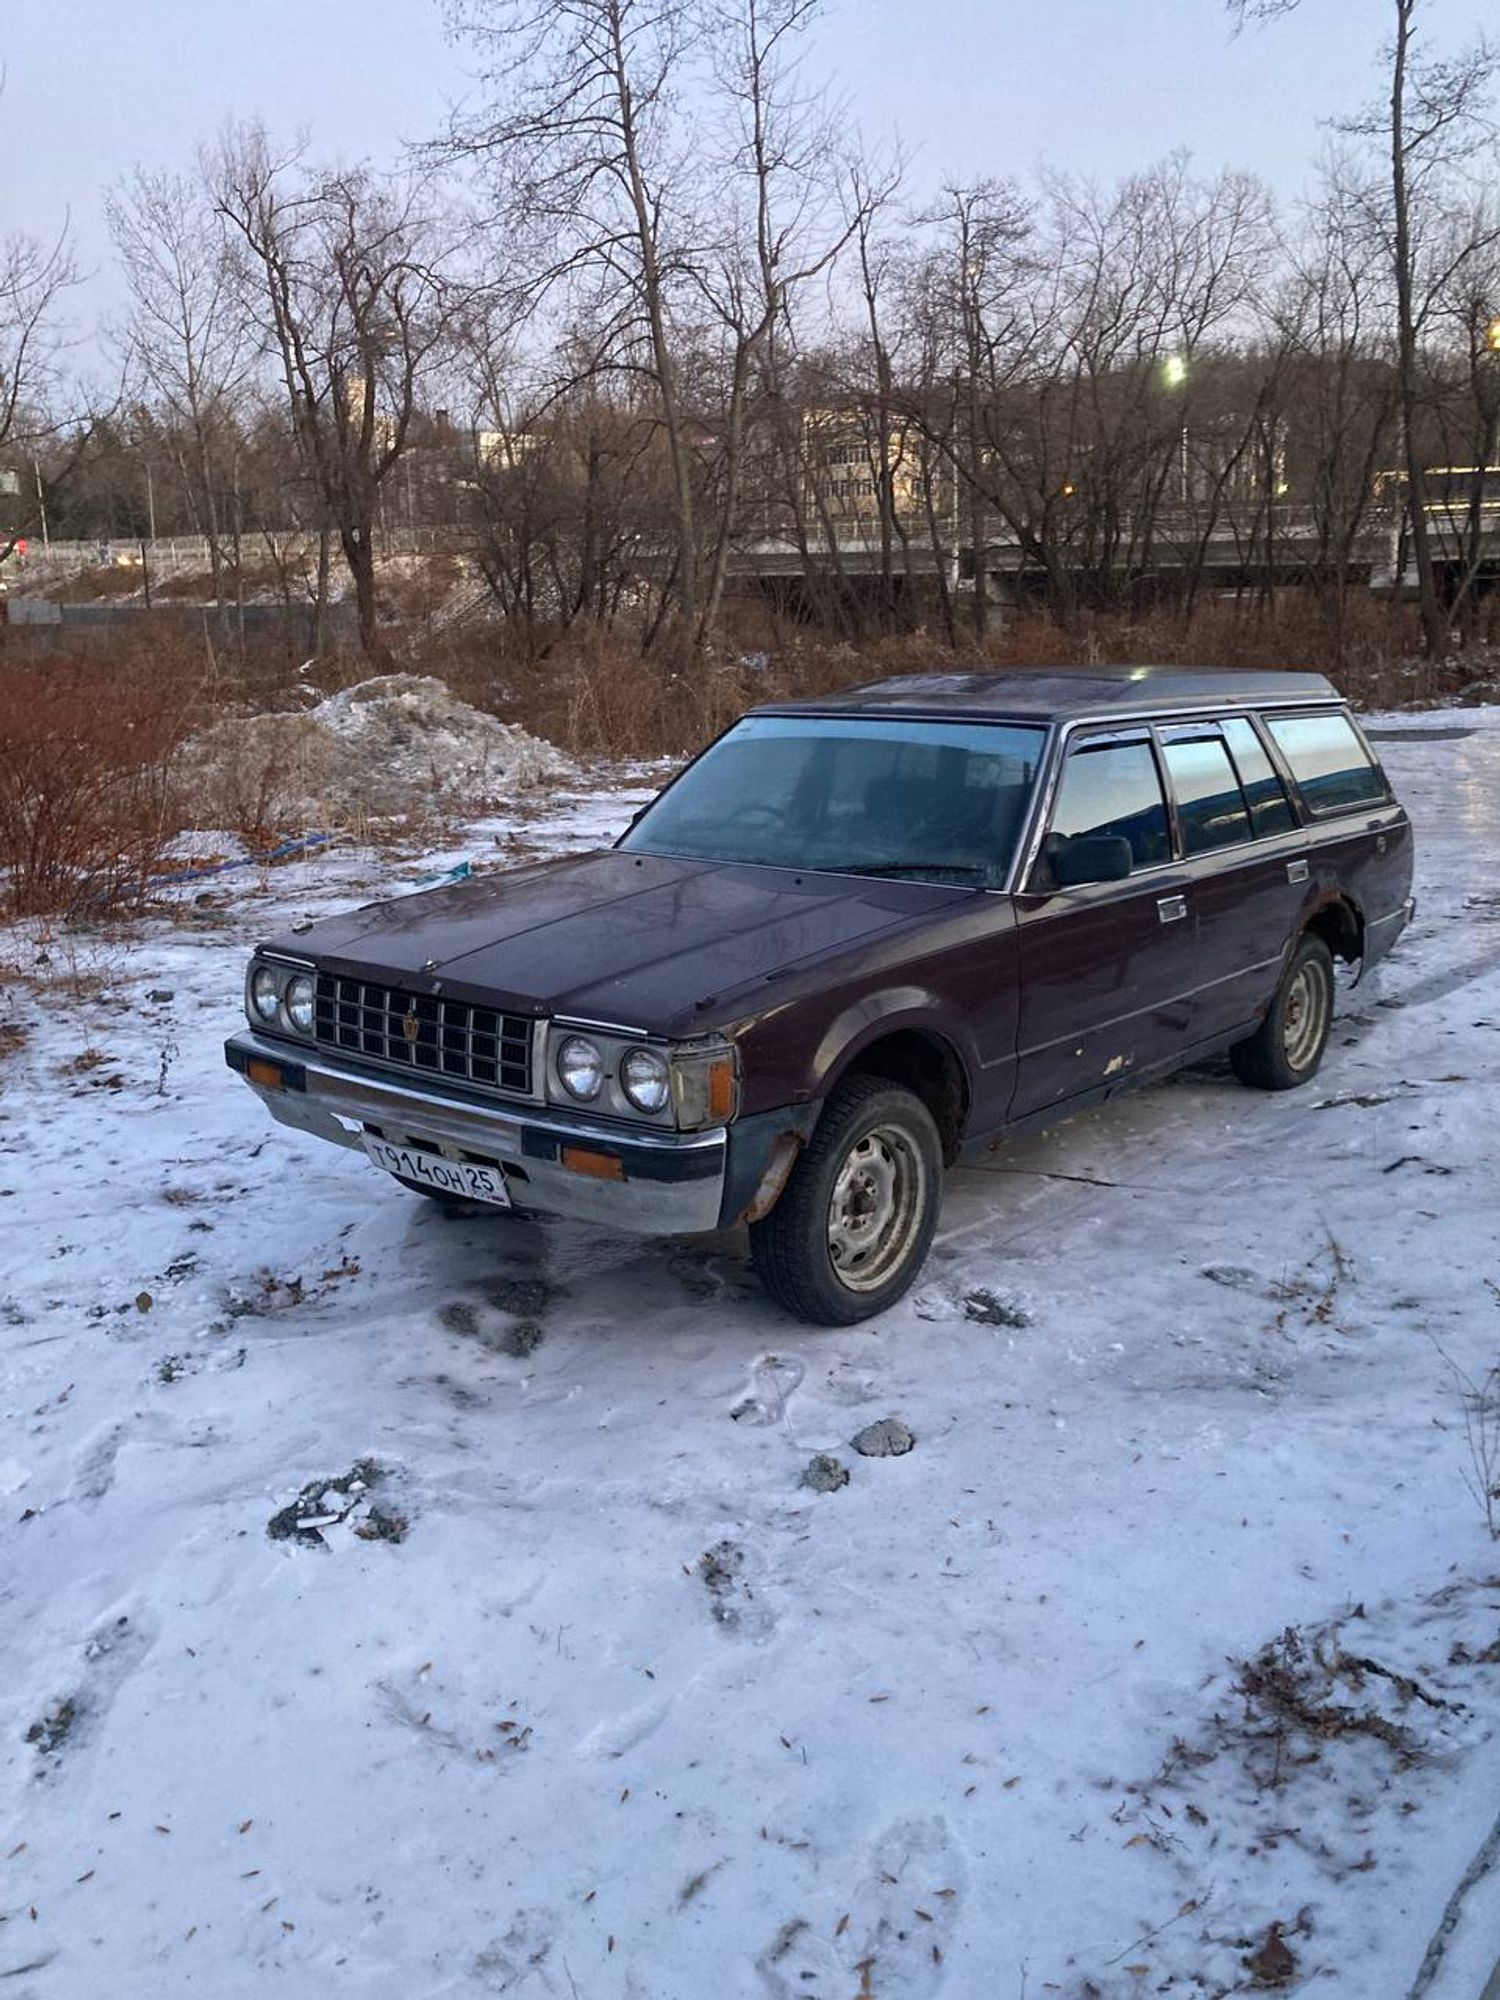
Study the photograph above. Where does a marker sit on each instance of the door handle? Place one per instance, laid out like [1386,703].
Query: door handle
[1296,871]
[1171,909]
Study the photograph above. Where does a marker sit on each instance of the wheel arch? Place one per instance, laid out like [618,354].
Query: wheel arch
[920,1056]
[1340,923]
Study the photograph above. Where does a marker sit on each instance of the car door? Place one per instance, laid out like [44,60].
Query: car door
[1358,837]
[1245,857]
[1106,967]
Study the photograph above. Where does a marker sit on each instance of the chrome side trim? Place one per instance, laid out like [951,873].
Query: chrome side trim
[608,1028]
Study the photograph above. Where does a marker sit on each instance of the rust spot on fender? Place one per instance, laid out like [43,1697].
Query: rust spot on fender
[778,1172]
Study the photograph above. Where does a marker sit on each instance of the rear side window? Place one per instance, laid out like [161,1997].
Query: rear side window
[1270,809]
[1211,808]
[1113,788]
[1331,766]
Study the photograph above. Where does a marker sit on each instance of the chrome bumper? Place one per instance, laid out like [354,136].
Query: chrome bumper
[670,1183]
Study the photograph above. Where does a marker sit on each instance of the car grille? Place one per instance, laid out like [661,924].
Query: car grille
[417,1031]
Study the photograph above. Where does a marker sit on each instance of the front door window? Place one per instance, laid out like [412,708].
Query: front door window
[1111,789]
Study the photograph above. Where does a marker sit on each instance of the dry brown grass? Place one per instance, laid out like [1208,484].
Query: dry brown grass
[594,692]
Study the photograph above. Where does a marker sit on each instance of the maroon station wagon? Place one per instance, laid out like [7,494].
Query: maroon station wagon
[856,939]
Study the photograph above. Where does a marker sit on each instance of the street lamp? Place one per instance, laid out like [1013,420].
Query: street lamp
[1174,374]
[1492,336]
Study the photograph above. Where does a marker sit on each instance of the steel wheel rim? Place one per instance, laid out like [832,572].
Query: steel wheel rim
[1304,1018]
[875,1210]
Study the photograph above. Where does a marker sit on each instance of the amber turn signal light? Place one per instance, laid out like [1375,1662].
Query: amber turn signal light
[268,1074]
[598,1166]
[721,1088]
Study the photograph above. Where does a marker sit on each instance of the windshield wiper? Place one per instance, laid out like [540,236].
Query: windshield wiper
[914,868]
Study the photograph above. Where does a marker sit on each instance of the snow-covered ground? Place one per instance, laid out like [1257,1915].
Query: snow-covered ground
[1168,1661]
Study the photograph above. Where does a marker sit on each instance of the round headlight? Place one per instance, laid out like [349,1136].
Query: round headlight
[646,1080]
[265,992]
[298,1001]
[580,1068]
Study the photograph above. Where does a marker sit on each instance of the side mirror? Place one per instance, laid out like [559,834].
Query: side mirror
[1103,857]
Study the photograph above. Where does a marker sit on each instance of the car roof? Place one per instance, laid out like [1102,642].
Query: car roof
[1064,693]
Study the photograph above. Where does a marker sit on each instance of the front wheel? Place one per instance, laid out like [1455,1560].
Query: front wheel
[855,1222]
[1288,1046]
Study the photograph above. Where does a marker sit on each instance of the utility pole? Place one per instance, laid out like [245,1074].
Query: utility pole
[41,503]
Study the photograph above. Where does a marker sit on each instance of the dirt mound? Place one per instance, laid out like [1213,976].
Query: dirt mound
[397,746]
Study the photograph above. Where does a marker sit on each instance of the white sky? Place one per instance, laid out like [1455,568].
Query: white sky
[973,87]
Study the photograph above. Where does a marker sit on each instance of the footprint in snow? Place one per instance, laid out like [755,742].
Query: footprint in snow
[773,1377]
[895,1935]
[95,1460]
[109,1656]
[618,1733]
[497,1328]
[734,1600]
[519,1958]
[94,1463]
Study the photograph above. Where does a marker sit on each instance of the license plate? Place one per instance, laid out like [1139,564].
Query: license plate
[459,1178]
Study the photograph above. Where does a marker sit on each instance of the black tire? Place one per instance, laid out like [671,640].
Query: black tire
[881,1141]
[1288,1046]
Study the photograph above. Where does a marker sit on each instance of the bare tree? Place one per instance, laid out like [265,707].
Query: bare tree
[1428,128]
[187,337]
[592,164]
[1470,412]
[1331,317]
[342,271]
[34,281]
[779,174]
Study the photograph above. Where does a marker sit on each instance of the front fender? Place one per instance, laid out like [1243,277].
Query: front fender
[875,1015]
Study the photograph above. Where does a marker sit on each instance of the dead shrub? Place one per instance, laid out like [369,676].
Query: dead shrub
[1292,1689]
[85,785]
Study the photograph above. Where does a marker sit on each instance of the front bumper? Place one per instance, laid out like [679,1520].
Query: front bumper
[667,1183]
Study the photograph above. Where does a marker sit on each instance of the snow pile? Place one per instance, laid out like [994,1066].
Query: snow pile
[398,745]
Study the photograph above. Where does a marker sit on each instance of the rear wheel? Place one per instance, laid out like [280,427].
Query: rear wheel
[855,1222]
[1288,1046]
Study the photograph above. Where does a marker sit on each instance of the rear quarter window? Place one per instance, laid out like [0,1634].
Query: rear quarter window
[1264,791]
[1332,768]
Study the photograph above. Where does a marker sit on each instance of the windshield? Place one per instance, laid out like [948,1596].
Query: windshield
[929,801]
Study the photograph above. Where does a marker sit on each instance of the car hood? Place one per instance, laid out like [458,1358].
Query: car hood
[644,940]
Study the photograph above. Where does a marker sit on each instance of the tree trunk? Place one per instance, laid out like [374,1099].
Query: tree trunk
[320,602]
[358,544]
[663,359]
[1434,618]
